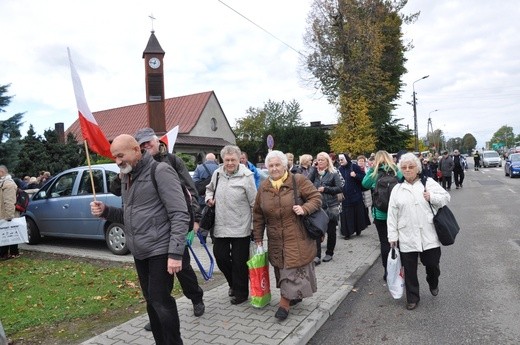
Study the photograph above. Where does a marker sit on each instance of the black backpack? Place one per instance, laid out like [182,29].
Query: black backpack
[22,200]
[386,181]
[187,195]
[201,184]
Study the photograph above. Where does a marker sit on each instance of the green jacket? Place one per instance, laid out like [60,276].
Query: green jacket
[369,182]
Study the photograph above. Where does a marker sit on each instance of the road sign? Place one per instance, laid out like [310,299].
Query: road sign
[270,142]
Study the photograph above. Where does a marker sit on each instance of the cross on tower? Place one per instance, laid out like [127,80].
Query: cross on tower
[152,18]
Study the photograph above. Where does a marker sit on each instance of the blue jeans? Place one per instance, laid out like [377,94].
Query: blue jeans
[157,285]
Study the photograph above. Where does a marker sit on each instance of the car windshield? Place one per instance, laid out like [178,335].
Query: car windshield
[515,158]
[491,154]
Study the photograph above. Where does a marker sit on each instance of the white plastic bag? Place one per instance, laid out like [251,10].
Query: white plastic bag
[395,274]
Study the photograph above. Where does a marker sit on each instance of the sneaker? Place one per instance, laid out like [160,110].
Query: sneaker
[327,258]
[317,261]
[198,309]
[148,327]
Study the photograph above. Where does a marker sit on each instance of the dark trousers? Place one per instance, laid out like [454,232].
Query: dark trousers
[430,259]
[458,176]
[157,284]
[5,251]
[331,239]
[382,232]
[446,182]
[188,280]
[231,255]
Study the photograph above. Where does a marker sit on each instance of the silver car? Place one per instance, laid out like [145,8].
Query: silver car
[61,208]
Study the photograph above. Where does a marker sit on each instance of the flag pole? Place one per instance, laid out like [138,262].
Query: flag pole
[90,169]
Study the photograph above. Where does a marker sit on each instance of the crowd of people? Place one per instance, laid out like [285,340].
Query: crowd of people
[252,207]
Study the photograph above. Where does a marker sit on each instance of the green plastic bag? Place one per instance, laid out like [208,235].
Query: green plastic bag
[189,237]
[259,284]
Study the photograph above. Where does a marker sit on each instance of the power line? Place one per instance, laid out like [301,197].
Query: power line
[258,26]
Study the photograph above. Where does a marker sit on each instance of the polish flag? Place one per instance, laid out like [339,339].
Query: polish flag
[170,138]
[90,129]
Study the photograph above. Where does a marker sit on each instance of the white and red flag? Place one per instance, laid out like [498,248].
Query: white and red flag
[90,129]
[170,138]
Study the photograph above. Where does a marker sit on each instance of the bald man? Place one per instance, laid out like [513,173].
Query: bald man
[155,230]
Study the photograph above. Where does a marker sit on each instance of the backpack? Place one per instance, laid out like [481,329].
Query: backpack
[22,200]
[187,195]
[386,181]
[201,184]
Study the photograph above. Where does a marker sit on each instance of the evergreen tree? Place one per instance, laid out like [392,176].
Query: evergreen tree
[10,145]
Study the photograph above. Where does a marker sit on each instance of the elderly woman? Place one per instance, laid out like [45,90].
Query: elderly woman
[383,164]
[328,182]
[291,251]
[410,223]
[233,198]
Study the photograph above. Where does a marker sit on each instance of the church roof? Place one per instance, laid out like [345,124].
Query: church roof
[184,111]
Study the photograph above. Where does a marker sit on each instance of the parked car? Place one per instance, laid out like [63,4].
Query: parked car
[61,208]
[512,165]
[490,159]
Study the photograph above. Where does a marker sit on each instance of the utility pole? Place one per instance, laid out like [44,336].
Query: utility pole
[416,133]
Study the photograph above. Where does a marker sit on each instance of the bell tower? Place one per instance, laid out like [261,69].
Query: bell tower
[153,56]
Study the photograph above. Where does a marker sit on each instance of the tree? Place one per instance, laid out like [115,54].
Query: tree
[10,146]
[504,137]
[354,132]
[299,140]
[468,143]
[355,48]
[436,140]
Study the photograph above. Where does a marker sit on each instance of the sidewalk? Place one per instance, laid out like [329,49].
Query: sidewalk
[224,323]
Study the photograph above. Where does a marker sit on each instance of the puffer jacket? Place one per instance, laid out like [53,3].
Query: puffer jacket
[410,219]
[288,243]
[234,200]
[156,221]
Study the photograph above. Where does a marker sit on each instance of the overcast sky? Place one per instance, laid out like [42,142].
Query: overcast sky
[469,48]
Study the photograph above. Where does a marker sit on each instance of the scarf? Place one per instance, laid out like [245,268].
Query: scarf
[278,183]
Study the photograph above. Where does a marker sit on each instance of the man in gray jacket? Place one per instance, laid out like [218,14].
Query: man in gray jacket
[155,230]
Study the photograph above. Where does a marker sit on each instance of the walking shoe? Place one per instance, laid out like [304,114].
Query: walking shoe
[411,306]
[198,309]
[281,314]
[327,258]
[294,302]
[317,261]
[435,291]
[238,300]
[457,187]
[148,327]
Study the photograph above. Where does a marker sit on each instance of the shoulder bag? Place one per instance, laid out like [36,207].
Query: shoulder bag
[207,218]
[315,223]
[445,223]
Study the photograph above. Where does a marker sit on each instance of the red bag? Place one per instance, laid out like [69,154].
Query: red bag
[439,174]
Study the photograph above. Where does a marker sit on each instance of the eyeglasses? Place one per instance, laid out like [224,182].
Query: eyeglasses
[408,167]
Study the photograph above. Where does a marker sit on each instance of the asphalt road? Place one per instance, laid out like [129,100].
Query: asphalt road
[479,299]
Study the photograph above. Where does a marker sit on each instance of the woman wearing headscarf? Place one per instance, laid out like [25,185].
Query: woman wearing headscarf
[383,163]
[327,181]
[291,250]
[410,225]
[233,198]
[352,208]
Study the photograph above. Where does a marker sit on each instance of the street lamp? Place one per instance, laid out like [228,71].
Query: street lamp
[415,114]
[429,131]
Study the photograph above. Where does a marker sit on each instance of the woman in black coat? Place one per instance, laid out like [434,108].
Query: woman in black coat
[353,209]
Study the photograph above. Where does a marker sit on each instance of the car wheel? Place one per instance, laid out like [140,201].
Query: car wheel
[33,232]
[116,239]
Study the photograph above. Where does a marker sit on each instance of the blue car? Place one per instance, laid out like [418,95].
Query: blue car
[61,208]
[512,166]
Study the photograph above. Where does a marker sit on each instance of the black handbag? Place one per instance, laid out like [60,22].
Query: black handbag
[445,223]
[207,218]
[315,223]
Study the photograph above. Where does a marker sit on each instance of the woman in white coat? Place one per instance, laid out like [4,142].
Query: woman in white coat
[410,224]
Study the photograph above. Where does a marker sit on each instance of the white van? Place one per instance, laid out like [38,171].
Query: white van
[490,159]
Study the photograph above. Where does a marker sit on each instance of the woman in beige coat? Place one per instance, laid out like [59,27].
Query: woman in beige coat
[291,251]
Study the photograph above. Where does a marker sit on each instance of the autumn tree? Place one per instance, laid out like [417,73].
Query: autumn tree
[355,49]
[503,137]
[354,132]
